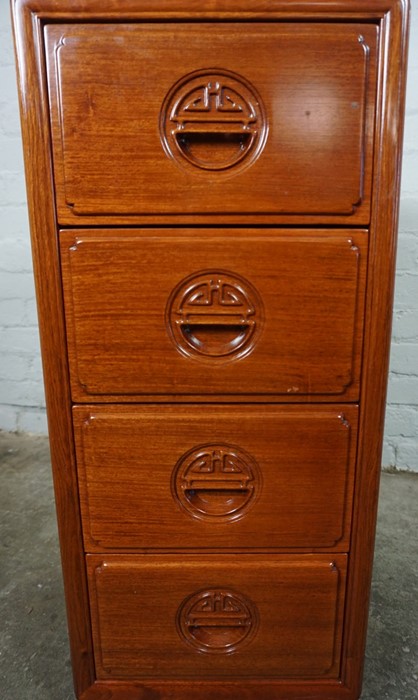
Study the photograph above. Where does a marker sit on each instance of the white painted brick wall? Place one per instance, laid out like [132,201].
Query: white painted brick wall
[21,389]
[21,392]
[401,431]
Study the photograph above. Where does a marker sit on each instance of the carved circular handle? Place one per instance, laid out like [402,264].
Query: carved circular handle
[216,482]
[217,621]
[216,315]
[213,120]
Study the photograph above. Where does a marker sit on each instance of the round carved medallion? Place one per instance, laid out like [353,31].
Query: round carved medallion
[213,120]
[216,315]
[216,482]
[217,621]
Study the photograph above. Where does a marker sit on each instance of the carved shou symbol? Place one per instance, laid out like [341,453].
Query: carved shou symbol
[216,482]
[201,108]
[217,621]
[214,314]
[213,120]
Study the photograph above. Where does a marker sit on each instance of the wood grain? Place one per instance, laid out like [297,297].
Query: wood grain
[298,600]
[301,482]
[379,304]
[317,84]
[318,195]
[311,290]
[210,9]
[39,183]
[213,690]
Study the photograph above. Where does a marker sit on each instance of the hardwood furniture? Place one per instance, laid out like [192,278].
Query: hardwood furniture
[213,195]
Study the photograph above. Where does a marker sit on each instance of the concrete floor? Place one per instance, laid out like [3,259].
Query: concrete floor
[34,661]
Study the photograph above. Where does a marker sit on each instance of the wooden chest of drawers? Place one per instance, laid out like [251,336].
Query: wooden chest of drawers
[213,194]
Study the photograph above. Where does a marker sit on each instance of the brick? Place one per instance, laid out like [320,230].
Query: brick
[19,347]
[408,213]
[407,256]
[412,69]
[412,79]
[6,40]
[405,325]
[5,18]
[15,367]
[31,314]
[402,421]
[10,120]
[6,54]
[12,312]
[404,359]
[409,169]
[12,188]
[411,144]
[11,155]
[24,393]
[15,255]
[406,291]
[20,374]
[14,221]
[23,341]
[15,285]
[36,370]
[388,457]
[413,51]
[8,83]
[403,390]
[411,99]
[407,454]
[32,420]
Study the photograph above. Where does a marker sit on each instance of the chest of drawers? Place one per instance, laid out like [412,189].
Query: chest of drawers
[213,195]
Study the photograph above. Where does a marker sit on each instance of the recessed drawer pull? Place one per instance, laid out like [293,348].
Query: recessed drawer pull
[213,120]
[216,482]
[171,477]
[216,339]
[222,496]
[214,150]
[214,314]
[217,621]
[207,487]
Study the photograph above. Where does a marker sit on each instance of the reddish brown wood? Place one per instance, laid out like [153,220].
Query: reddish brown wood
[317,84]
[209,9]
[293,488]
[212,690]
[386,19]
[148,620]
[39,183]
[383,238]
[307,299]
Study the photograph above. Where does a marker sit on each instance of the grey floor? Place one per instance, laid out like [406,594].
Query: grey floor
[34,662]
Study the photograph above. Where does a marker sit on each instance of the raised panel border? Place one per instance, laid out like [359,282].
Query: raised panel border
[76,209]
[346,420]
[392,16]
[123,574]
[354,244]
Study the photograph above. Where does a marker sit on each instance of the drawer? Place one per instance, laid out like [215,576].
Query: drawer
[164,314]
[212,617]
[216,477]
[194,120]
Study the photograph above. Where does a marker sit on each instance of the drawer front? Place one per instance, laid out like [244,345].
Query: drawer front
[196,120]
[216,477]
[205,618]
[243,313]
